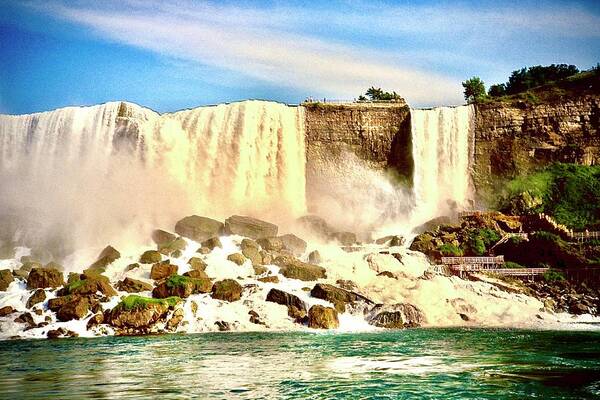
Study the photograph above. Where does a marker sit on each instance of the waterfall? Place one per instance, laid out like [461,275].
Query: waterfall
[104,169]
[441,148]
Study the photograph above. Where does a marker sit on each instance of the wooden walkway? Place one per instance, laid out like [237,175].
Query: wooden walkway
[464,265]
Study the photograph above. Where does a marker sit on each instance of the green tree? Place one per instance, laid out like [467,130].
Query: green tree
[374,93]
[474,89]
[497,90]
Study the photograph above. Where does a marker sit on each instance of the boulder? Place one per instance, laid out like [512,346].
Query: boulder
[37,297]
[293,303]
[271,243]
[181,286]
[212,243]
[89,285]
[133,286]
[77,308]
[251,250]
[314,257]
[391,240]
[44,278]
[266,257]
[173,248]
[237,258]
[227,290]
[61,332]
[54,265]
[344,238]
[28,265]
[198,228]
[6,310]
[337,296]
[150,257]
[387,274]
[269,279]
[293,243]
[346,284]
[6,277]
[136,314]
[161,237]
[320,317]
[56,303]
[73,276]
[198,264]
[196,274]
[260,269]
[397,316]
[249,227]
[95,320]
[106,257]
[293,268]
[131,267]
[162,270]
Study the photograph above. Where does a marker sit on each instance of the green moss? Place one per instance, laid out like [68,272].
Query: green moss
[74,285]
[568,192]
[179,280]
[449,249]
[138,302]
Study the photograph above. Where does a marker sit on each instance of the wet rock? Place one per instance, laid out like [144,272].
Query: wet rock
[391,240]
[461,306]
[292,302]
[293,268]
[95,320]
[61,332]
[162,270]
[251,250]
[44,278]
[255,318]
[314,257]
[30,264]
[344,238]
[25,318]
[249,227]
[131,267]
[6,278]
[37,297]
[271,243]
[130,285]
[223,326]
[397,316]
[54,265]
[267,258]
[196,263]
[260,269]
[139,316]
[212,243]
[161,237]
[150,257]
[73,277]
[227,290]
[316,225]
[320,317]
[337,296]
[269,279]
[181,286]
[464,317]
[105,258]
[347,284]
[89,285]
[175,319]
[173,248]
[237,258]
[387,274]
[197,274]
[293,243]
[198,228]
[6,310]
[77,308]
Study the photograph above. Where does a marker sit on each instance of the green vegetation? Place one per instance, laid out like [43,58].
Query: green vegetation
[180,281]
[139,303]
[449,249]
[479,240]
[514,265]
[474,89]
[553,275]
[376,94]
[568,192]
[526,78]
[70,287]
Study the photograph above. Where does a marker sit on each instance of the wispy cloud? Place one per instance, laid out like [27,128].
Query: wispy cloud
[307,49]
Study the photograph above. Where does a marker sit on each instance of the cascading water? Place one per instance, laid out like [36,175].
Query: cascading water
[74,171]
[441,140]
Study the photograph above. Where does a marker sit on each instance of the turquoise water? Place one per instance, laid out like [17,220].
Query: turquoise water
[419,363]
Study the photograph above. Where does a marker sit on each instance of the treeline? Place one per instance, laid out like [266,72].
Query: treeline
[377,94]
[520,81]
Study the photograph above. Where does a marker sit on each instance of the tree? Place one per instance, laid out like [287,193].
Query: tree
[524,79]
[374,94]
[497,90]
[474,89]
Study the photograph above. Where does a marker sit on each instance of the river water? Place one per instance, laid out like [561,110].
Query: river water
[418,363]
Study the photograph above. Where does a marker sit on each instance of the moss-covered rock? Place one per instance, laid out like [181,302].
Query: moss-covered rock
[181,286]
[150,257]
[89,285]
[137,314]
[227,290]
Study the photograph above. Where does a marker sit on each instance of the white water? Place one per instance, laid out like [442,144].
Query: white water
[87,176]
[441,152]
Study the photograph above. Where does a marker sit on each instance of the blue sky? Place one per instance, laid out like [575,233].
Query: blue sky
[181,54]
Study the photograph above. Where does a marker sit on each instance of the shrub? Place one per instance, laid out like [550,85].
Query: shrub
[449,249]
[510,264]
[553,275]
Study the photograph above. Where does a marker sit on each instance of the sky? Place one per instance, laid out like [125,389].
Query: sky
[171,55]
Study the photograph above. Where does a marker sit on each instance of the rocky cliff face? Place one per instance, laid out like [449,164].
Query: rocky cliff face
[516,139]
